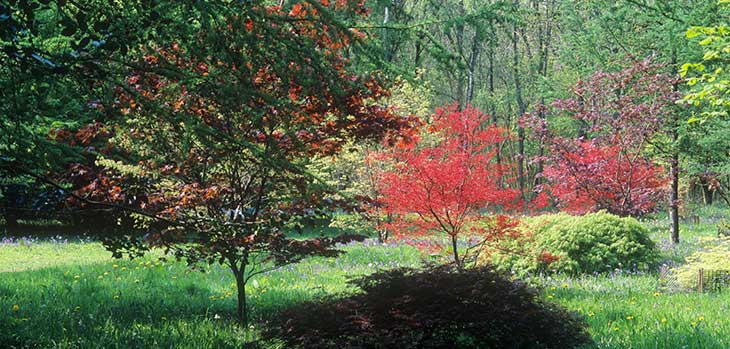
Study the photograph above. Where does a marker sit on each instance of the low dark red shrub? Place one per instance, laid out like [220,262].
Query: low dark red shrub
[433,308]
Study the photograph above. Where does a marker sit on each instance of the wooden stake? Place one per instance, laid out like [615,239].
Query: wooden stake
[700,279]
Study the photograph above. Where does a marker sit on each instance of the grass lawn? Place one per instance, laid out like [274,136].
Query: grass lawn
[72,294]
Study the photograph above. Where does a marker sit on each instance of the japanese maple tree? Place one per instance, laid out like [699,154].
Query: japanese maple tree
[605,165]
[209,134]
[448,181]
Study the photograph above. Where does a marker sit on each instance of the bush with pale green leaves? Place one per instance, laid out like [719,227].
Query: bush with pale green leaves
[593,243]
[713,257]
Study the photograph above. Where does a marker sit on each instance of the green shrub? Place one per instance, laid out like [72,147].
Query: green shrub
[593,243]
[712,257]
[723,228]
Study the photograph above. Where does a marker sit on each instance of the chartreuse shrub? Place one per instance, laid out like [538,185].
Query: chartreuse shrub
[432,308]
[713,258]
[592,243]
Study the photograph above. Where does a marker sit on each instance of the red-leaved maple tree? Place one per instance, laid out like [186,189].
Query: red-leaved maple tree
[212,133]
[448,182]
[605,165]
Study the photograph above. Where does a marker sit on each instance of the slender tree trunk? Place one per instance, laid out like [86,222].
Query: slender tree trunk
[386,19]
[472,68]
[544,46]
[674,193]
[674,164]
[456,252]
[521,111]
[492,102]
[241,287]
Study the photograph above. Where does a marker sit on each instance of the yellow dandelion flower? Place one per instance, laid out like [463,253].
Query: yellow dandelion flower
[124,268]
[16,307]
[565,286]
[694,323]
[701,318]
[115,266]
[629,318]
[664,320]
[657,294]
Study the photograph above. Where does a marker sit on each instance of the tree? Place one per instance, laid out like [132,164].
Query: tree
[212,122]
[448,184]
[591,177]
[605,166]
[709,82]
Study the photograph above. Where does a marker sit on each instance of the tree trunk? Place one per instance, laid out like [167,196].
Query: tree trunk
[706,190]
[241,287]
[456,253]
[521,111]
[544,46]
[472,68]
[674,163]
[674,194]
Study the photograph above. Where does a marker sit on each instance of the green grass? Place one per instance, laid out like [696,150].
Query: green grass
[74,295]
[34,255]
[55,299]
[628,311]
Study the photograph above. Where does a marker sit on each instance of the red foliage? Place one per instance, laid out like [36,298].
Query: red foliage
[445,186]
[605,167]
[593,177]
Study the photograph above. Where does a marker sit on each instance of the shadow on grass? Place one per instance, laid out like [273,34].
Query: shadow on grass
[164,307]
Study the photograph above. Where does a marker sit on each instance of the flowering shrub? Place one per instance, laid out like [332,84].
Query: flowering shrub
[593,243]
[434,308]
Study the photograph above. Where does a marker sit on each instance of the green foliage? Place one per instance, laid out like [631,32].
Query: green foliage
[709,80]
[712,257]
[593,243]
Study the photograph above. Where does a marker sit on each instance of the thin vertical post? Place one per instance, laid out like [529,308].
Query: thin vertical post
[700,280]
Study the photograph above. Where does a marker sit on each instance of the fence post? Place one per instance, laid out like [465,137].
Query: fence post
[700,280]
